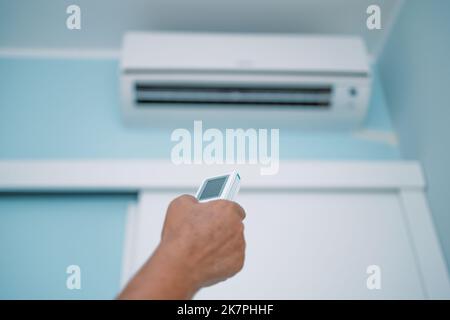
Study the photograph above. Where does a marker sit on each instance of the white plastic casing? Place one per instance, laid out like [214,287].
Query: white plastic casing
[229,191]
[186,59]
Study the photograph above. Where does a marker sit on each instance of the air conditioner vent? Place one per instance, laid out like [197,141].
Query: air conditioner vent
[313,96]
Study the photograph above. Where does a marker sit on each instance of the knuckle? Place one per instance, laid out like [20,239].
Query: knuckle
[234,206]
[174,203]
[238,209]
[171,206]
[186,198]
[224,204]
[214,205]
[178,202]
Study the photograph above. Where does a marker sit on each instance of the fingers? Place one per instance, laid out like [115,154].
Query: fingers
[182,202]
[240,210]
[187,198]
[237,209]
[228,205]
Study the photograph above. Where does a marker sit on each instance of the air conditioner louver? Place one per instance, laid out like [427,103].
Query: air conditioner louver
[302,96]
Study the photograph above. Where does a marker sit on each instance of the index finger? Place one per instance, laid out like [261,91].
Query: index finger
[240,210]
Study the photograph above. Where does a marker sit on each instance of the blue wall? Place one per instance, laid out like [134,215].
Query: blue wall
[41,235]
[415,71]
[56,108]
[69,109]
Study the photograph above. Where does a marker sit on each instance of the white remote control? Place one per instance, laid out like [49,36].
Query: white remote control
[219,187]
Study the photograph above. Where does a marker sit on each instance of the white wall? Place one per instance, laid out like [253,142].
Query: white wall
[41,23]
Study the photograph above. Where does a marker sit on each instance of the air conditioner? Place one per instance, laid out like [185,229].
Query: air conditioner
[246,80]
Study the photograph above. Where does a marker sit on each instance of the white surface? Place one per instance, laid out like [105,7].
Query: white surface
[135,175]
[307,245]
[319,245]
[428,251]
[243,52]
[105,21]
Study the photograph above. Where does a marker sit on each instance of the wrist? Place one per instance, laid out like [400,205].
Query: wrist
[174,266]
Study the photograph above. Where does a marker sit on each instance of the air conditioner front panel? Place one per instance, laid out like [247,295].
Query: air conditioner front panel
[244,80]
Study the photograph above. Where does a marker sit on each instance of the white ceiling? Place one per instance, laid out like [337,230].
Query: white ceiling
[41,23]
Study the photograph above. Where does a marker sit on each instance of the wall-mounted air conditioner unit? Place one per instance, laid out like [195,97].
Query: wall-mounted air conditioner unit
[247,80]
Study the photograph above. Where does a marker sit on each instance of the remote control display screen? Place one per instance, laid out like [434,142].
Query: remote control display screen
[213,188]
